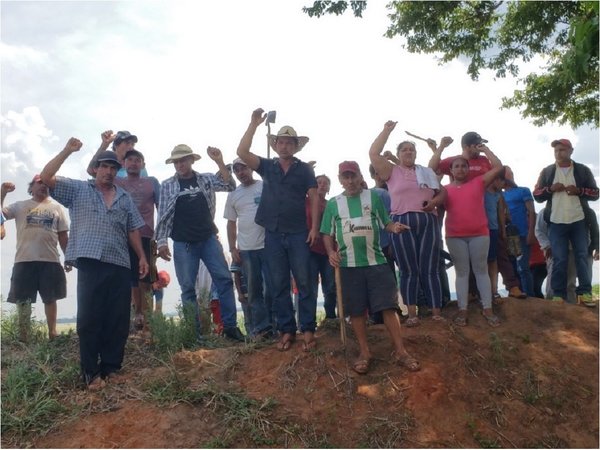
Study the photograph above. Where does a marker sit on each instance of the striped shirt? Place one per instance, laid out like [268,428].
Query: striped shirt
[355,223]
[170,191]
[97,232]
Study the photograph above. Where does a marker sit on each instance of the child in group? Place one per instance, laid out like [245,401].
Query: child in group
[354,218]
[162,281]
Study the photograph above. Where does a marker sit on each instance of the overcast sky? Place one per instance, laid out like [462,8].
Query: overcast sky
[191,72]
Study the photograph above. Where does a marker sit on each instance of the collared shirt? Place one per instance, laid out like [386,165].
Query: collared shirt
[208,184]
[97,232]
[281,207]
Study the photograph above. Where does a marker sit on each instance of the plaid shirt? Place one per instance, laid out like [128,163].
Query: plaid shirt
[97,232]
[170,192]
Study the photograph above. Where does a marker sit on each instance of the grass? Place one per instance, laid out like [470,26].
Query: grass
[386,432]
[36,378]
[497,350]
[531,392]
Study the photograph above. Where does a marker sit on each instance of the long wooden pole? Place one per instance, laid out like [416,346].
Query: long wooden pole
[268,138]
[340,305]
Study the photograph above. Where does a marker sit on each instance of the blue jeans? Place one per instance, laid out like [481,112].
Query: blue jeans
[285,252]
[254,267]
[560,235]
[187,256]
[319,265]
[523,268]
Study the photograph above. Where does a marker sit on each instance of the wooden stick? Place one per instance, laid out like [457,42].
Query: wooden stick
[340,305]
[268,138]
[415,136]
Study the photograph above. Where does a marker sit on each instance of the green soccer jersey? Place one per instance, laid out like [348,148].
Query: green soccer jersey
[355,223]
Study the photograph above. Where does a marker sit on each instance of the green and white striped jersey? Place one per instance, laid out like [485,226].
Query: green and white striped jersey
[355,223]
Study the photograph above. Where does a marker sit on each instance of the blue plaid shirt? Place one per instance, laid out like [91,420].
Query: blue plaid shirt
[97,232]
[170,192]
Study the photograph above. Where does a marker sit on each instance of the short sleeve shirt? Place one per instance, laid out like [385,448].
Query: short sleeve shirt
[281,207]
[38,225]
[97,231]
[515,199]
[356,222]
[241,206]
[477,166]
[465,209]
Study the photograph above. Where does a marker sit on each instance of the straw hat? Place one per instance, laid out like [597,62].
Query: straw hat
[181,151]
[288,131]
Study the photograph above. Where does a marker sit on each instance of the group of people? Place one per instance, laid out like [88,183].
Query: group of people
[283,232]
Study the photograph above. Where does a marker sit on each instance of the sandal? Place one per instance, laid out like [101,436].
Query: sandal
[412,322]
[361,366]
[115,378]
[438,318]
[460,321]
[96,384]
[407,361]
[139,322]
[309,343]
[286,342]
[492,320]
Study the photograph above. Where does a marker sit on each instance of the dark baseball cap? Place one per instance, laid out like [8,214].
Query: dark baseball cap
[472,138]
[108,156]
[124,136]
[134,152]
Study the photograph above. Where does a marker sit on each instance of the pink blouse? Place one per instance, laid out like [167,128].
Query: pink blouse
[405,193]
[465,210]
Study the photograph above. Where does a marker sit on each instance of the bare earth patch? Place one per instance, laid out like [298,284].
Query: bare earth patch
[532,382]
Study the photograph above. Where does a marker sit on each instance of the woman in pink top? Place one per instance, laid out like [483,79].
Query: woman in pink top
[415,193]
[467,233]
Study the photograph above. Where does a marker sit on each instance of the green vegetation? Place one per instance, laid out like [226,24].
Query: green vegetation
[35,377]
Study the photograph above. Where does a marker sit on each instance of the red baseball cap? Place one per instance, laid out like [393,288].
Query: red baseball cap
[349,166]
[565,142]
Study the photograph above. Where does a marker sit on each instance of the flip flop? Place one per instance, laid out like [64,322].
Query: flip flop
[96,384]
[308,342]
[438,318]
[460,321]
[285,342]
[361,366]
[492,320]
[139,322]
[407,361]
[412,322]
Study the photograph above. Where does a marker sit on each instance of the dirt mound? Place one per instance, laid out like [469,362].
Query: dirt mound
[532,382]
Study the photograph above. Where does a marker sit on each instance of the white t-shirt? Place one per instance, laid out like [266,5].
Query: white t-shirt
[38,225]
[242,205]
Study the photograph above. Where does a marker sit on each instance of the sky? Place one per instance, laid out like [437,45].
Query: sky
[174,72]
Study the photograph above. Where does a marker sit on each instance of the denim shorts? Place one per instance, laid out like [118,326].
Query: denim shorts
[371,288]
